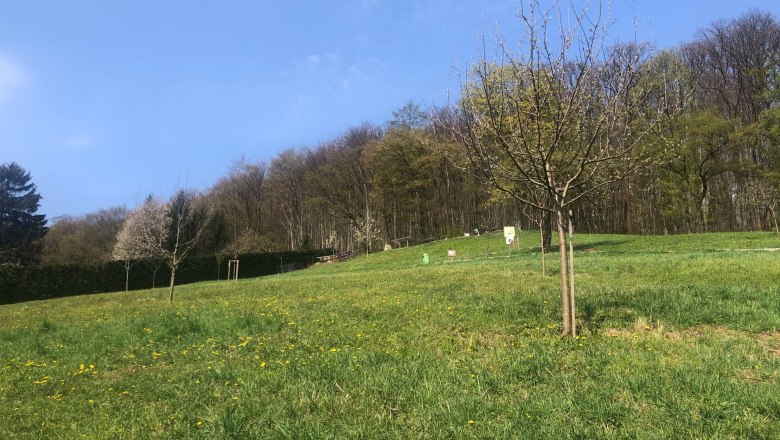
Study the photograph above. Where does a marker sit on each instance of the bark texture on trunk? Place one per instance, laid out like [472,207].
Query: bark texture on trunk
[572,306]
[547,227]
[541,241]
[565,298]
[173,277]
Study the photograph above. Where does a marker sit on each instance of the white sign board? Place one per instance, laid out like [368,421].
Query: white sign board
[509,234]
[451,253]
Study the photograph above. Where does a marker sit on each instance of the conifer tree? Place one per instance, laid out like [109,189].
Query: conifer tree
[21,229]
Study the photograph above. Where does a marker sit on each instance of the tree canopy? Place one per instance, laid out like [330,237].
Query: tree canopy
[627,138]
[21,228]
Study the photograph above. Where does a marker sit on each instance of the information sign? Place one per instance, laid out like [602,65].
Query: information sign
[509,234]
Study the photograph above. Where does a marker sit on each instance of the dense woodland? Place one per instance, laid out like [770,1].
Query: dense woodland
[709,160]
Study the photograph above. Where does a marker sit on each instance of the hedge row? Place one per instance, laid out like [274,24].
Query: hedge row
[19,284]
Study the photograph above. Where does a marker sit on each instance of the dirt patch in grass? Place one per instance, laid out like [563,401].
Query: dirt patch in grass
[756,249]
[769,341]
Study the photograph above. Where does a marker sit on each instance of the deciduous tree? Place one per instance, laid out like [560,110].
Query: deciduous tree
[698,152]
[286,181]
[556,120]
[85,239]
[240,198]
[341,177]
[189,217]
[143,236]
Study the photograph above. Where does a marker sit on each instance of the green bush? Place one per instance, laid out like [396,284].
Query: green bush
[26,283]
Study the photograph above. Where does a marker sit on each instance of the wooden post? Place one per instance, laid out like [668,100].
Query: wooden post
[233,270]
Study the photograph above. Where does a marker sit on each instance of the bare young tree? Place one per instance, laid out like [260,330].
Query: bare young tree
[188,221]
[142,236]
[555,120]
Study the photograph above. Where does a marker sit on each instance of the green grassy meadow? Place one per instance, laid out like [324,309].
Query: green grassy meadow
[679,339]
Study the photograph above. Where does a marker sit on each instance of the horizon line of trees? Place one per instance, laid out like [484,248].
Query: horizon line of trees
[709,160]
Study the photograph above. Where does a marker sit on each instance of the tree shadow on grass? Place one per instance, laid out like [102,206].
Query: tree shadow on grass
[591,246]
[601,245]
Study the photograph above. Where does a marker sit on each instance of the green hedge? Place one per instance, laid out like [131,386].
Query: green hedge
[19,284]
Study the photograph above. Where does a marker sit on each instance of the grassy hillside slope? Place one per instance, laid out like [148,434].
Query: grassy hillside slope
[680,340]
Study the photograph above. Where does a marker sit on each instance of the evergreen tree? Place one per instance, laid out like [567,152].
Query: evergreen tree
[21,229]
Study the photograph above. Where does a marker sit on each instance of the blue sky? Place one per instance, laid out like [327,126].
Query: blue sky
[107,101]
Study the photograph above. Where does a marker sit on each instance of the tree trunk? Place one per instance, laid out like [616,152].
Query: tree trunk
[368,234]
[154,275]
[629,214]
[774,218]
[564,274]
[704,205]
[777,229]
[547,227]
[173,277]
[571,277]
[541,245]
[127,277]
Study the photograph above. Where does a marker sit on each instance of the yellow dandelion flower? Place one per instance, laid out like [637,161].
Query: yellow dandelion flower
[245,341]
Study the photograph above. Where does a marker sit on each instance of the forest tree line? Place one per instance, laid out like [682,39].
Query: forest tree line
[709,161]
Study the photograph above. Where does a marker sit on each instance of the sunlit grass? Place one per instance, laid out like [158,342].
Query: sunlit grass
[679,340]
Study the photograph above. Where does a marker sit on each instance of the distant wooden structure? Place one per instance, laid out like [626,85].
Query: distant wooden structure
[403,241]
[346,255]
[335,258]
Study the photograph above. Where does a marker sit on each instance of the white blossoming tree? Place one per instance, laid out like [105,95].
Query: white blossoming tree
[143,235]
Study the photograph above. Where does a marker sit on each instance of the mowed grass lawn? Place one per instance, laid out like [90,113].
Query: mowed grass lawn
[679,340]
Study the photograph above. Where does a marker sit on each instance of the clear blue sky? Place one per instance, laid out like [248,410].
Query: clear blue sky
[107,101]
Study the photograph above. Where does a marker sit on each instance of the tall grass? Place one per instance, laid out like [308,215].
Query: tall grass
[680,340]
